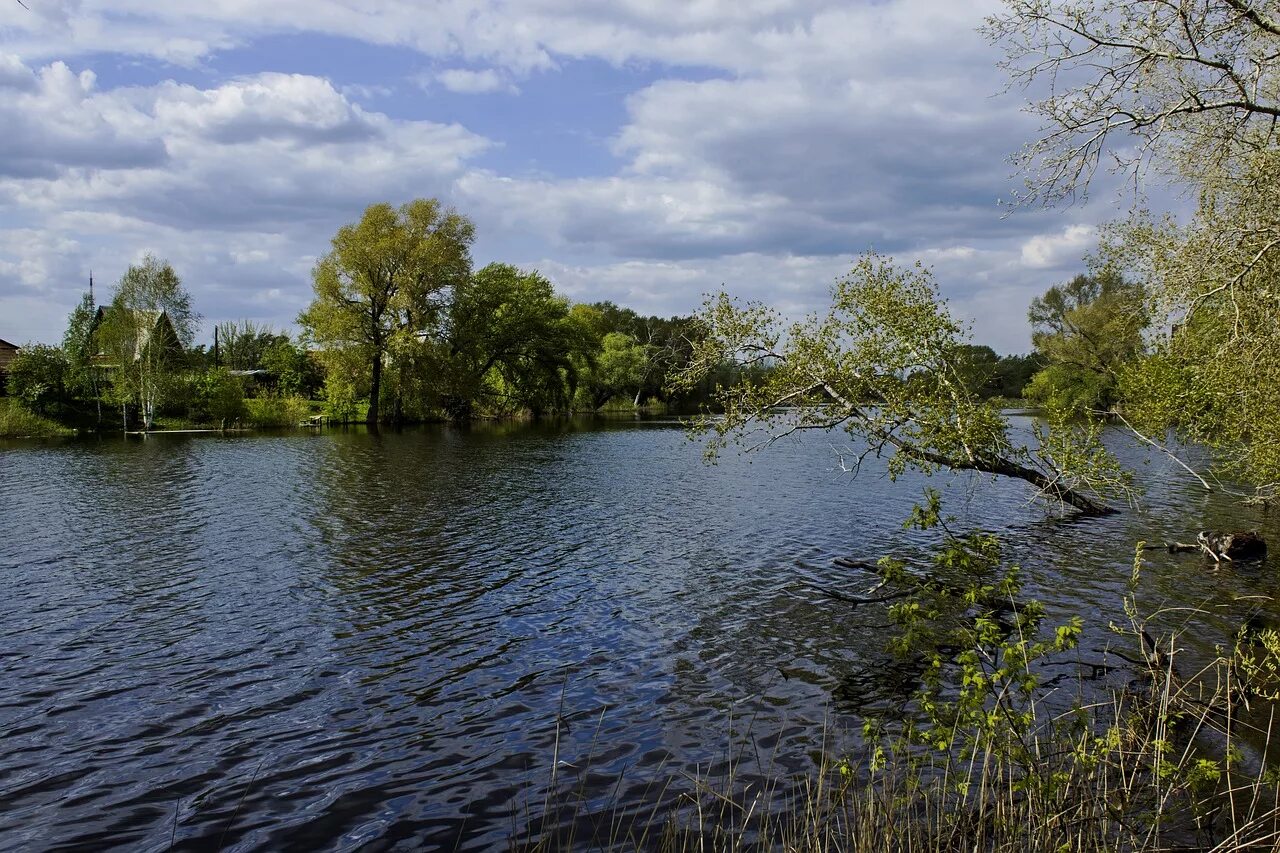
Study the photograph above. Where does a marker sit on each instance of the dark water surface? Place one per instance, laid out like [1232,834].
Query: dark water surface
[346,641]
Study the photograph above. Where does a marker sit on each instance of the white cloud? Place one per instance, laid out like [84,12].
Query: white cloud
[467,82]
[1049,250]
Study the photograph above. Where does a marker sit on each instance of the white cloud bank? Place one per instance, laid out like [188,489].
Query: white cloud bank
[813,130]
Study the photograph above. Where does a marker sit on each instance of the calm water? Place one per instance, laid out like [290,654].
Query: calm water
[346,641]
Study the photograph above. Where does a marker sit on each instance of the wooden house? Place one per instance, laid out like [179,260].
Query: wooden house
[145,329]
[8,352]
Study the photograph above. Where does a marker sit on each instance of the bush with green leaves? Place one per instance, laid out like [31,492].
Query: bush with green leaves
[217,397]
[37,377]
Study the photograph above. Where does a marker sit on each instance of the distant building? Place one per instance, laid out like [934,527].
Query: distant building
[152,327]
[8,352]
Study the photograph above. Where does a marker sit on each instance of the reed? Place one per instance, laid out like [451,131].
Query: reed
[991,757]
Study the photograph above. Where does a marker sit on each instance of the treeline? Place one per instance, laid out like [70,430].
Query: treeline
[407,330]
[401,330]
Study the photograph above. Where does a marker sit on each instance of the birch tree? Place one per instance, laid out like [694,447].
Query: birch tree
[146,328]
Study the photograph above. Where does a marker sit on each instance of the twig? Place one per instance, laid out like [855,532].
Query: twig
[247,788]
[1166,451]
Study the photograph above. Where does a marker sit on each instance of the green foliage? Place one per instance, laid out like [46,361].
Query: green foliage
[998,764]
[1214,373]
[340,398]
[885,364]
[1087,330]
[84,378]
[988,375]
[379,286]
[512,344]
[143,336]
[620,368]
[217,397]
[1070,388]
[277,412]
[292,368]
[242,345]
[38,378]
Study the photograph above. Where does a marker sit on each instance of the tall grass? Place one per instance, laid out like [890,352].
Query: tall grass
[277,412]
[17,422]
[1177,758]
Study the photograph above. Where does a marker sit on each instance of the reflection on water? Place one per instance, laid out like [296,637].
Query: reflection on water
[302,641]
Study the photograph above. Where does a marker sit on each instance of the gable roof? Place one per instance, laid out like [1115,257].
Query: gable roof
[149,324]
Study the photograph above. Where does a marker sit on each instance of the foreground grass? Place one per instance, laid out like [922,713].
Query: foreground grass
[17,422]
[988,758]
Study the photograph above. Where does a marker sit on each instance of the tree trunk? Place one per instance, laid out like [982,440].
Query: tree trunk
[1007,468]
[375,390]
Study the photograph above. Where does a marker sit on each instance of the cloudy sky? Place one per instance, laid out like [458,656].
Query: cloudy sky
[643,151]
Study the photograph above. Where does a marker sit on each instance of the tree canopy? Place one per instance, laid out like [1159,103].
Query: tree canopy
[381,282]
[886,364]
[1087,330]
[1214,371]
[1186,86]
[143,334]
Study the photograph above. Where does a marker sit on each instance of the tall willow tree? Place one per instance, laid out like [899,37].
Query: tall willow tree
[510,342]
[380,286]
[1087,330]
[886,364]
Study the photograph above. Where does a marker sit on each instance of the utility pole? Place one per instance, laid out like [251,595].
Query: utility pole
[215,346]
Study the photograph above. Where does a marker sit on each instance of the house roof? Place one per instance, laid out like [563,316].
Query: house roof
[150,322]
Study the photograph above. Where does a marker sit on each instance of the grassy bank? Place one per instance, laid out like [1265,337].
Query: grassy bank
[17,422]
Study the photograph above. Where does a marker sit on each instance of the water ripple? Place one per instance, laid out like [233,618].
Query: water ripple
[340,640]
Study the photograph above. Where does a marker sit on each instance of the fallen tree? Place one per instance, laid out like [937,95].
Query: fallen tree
[884,365]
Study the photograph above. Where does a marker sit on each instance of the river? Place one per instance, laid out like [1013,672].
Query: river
[397,641]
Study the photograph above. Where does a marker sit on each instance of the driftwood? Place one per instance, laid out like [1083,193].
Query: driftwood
[1229,547]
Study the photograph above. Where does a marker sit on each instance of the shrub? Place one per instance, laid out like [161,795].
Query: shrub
[276,412]
[38,377]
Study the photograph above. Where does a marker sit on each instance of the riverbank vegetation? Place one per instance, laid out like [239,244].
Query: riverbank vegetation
[401,330]
[1015,740]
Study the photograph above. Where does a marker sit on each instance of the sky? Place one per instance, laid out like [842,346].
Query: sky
[646,152]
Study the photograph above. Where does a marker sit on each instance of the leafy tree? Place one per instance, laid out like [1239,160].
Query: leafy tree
[84,379]
[1087,330]
[620,368]
[1014,372]
[218,398]
[977,367]
[382,280]
[1188,86]
[294,370]
[1214,373]
[883,364]
[144,334]
[38,377]
[242,345]
[510,341]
